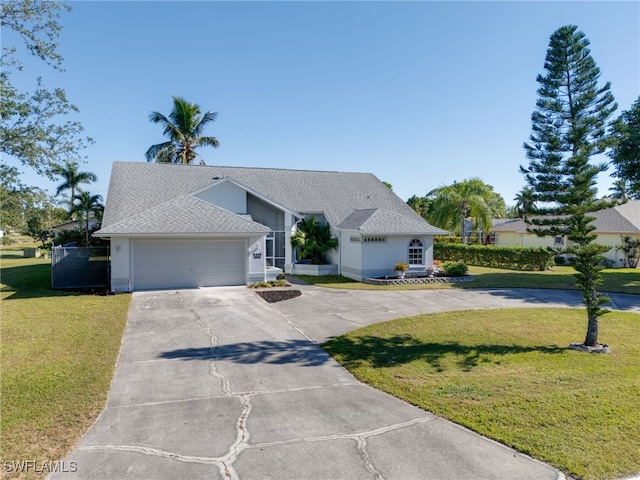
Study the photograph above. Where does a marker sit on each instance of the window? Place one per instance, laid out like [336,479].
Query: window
[416,252]
[559,240]
[356,238]
[374,239]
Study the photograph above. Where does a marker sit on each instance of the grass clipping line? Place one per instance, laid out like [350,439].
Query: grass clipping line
[509,375]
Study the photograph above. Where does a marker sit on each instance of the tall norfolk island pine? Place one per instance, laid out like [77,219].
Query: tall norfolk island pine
[569,126]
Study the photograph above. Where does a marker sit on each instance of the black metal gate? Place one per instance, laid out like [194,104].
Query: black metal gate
[80,267]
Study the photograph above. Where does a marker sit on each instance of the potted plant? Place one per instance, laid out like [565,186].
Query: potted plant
[400,267]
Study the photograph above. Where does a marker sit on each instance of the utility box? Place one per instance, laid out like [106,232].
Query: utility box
[31,252]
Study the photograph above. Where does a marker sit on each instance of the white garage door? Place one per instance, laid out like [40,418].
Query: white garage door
[187,263]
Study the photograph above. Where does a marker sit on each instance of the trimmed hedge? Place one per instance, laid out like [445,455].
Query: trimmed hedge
[521,258]
[455,269]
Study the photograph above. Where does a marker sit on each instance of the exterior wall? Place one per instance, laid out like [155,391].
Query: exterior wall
[508,239]
[121,264]
[614,240]
[377,259]
[262,212]
[289,226]
[350,255]
[274,218]
[256,270]
[504,239]
[226,195]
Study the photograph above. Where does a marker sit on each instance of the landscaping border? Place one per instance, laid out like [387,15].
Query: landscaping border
[418,280]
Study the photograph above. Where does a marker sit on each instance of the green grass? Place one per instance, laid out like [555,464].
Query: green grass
[621,280]
[507,374]
[58,353]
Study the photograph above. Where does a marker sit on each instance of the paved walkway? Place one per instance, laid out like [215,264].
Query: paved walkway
[217,384]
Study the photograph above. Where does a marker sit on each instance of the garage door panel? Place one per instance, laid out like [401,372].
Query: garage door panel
[188,263]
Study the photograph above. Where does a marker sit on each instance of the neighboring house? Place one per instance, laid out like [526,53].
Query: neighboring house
[73,224]
[612,224]
[175,226]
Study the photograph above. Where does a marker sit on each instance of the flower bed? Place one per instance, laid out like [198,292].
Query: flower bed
[418,280]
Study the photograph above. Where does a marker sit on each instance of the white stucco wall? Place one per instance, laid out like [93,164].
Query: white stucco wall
[614,240]
[256,252]
[120,264]
[226,195]
[377,259]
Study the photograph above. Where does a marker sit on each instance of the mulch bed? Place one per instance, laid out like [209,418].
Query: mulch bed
[272,296]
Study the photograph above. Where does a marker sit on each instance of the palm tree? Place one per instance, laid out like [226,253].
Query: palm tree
[184,128]
[619,190]
[72,179]
[525,201]
[313,240]
[85,206]
[452,204]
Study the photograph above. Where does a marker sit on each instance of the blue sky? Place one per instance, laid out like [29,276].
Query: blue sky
[419,93]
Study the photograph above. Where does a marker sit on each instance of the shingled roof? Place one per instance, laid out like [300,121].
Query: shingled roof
[621,219]
[184,214]
[138,190]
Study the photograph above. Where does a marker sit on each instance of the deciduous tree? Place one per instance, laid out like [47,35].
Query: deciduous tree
[33,125]
[625,155]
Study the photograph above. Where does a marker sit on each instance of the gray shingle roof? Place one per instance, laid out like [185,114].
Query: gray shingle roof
[619,219]
[184,215]
[378,221]
[631,211]
[137,187]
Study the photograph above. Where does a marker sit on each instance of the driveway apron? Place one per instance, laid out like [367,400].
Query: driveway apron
[217,384]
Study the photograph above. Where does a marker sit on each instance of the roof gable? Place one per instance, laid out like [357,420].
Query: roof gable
[379,221]
[185,214]
[631,211]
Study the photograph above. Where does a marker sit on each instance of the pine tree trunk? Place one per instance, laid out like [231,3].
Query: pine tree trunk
[591,339]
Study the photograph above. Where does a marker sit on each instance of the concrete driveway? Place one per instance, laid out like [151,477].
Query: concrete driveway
[217,384]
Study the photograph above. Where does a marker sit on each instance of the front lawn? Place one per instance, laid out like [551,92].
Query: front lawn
[507,374]
[621,280]
[58,353]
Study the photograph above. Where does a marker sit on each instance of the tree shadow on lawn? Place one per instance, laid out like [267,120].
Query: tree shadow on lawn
[401,349]
[30,281]
[301,352]
[569,298]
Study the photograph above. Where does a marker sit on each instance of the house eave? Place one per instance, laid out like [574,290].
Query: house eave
[181,235]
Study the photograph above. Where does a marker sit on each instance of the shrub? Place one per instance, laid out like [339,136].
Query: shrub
[455,269]
[401,266]
[521,258]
